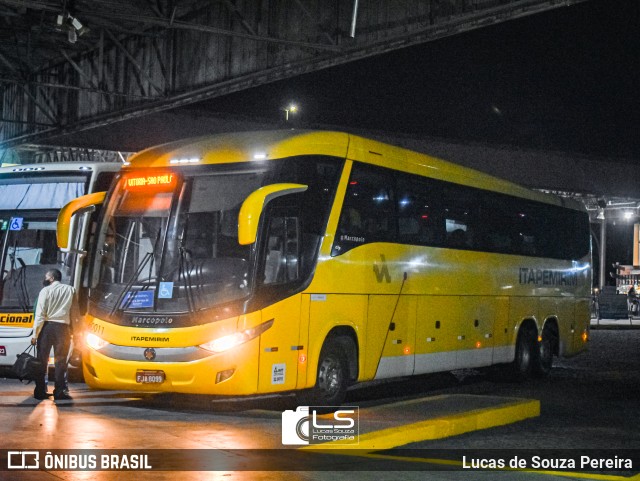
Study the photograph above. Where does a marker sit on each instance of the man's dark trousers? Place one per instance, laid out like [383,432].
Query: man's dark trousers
[58,336]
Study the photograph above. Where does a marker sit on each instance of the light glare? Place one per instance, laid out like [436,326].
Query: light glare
[95,342]
[192,160]
[230,341]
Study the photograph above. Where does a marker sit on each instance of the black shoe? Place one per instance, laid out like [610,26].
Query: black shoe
[63,396]
[41,396]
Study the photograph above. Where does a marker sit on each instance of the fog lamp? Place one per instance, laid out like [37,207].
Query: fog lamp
[224,375]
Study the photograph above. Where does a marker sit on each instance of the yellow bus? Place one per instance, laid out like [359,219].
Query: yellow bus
[264,262]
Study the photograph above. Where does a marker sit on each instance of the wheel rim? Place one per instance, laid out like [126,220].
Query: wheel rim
[330,376]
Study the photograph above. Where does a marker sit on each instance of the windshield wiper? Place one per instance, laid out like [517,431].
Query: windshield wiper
[21,280]
[132,279]
[149,256]
[184,271]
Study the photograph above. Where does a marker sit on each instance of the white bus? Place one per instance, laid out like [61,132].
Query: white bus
[31,197]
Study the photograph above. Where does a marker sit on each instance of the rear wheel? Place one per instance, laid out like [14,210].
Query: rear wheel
[522,366]
[544,353]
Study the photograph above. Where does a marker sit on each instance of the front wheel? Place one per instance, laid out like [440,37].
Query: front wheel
[332,378]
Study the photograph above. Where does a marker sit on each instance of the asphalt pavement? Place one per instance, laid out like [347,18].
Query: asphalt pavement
[589,404]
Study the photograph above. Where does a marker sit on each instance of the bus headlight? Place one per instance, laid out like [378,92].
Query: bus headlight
[94,342]
[230,341]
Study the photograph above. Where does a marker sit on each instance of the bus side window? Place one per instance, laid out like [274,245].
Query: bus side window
[351,222]
[103,181]
[458,238]
[420,211]
[282,250]
[368,212]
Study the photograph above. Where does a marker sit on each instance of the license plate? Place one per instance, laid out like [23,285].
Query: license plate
[3,351]
[150,377]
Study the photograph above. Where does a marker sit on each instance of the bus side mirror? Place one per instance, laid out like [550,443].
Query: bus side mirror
[67,225]
[254,204]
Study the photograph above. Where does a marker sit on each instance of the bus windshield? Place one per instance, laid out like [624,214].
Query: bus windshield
[29,250]
[168,241]
[29,205]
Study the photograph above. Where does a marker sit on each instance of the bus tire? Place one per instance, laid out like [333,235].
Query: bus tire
[544,353]
[332,378]
[522,366]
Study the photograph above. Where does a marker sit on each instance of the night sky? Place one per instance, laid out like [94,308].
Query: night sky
[563,80]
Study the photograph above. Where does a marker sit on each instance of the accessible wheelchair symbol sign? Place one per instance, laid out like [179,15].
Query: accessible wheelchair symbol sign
[16,223]
[166,290]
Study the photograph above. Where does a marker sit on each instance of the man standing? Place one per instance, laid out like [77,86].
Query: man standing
[55,309]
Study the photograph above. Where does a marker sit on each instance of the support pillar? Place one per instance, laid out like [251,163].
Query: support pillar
[603,252]
[636,245]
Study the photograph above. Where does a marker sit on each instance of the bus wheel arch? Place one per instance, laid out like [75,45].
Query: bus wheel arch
[548,346]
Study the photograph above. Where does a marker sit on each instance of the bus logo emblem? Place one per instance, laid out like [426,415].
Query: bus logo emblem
[382,273]
[149,354]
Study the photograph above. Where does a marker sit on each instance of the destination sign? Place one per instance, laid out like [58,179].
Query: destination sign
[163,181]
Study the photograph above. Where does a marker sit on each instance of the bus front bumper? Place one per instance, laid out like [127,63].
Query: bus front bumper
[234,372]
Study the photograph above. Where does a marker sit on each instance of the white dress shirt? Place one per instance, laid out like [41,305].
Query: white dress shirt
[55,304]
